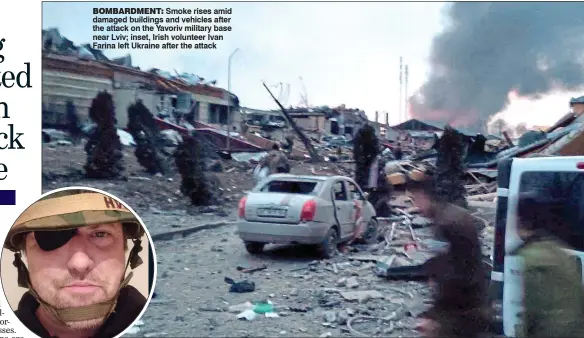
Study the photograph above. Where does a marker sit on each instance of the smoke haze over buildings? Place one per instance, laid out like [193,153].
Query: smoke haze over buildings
[491,49]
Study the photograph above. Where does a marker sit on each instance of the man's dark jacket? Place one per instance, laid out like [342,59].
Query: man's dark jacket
[130,304]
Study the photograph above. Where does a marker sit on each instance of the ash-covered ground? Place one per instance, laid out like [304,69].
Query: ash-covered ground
[305,296]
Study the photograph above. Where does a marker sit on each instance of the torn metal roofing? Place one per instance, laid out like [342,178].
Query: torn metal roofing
[72,64]
[61,54]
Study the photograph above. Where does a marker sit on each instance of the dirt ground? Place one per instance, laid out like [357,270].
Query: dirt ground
[192,297]
[63,166]
[304,292]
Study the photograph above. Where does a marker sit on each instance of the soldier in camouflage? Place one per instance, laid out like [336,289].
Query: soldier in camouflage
[552,283]
[75,243]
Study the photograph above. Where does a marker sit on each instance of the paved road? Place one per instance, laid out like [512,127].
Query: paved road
[192,297]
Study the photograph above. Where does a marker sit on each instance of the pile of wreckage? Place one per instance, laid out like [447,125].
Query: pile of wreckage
[565,138]
[378,289]
[406,241]
[404,225]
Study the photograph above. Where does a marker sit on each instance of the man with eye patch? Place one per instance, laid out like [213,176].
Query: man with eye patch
[74,243]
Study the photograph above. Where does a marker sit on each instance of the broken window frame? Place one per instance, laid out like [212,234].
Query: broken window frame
[343,191]
[354,190]
[561,184]
[315,187]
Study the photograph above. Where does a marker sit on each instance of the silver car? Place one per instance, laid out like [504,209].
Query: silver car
[321,210]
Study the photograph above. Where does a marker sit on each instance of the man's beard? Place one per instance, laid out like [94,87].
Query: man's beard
[85,324]
[73,301]
[58,298]
[63,299]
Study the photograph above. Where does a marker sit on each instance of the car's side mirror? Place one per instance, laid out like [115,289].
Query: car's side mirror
[366,196]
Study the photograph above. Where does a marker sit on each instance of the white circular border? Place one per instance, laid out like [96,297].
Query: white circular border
[150,242]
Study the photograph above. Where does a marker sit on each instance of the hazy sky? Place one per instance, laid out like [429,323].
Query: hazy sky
[345,52]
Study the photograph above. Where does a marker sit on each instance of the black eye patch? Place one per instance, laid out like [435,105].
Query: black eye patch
[52,240]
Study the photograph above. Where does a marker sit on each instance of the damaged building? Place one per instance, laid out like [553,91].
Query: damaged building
[75,74]
[383,130]
[317,121]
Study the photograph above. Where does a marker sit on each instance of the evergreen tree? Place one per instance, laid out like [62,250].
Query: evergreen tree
[73,125]
[149,143]
[196,184]
[365,149]
[449,175]
[104,148]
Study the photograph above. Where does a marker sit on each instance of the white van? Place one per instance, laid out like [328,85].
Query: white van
[517,175]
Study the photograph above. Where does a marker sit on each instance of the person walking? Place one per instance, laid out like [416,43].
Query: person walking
[457,275]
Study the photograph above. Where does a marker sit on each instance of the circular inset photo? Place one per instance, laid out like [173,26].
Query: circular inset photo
[78,263]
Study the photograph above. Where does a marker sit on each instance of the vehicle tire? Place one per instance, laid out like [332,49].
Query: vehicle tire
[254,248]
[328,247]
[371,232]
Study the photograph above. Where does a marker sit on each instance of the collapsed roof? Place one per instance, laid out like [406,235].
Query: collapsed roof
[54,42]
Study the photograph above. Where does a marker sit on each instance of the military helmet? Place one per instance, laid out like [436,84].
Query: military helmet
[72,209]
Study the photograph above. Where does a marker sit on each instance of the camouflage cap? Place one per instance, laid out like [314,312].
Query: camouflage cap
[72,211]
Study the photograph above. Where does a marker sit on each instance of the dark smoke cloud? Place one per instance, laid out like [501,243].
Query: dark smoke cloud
[491,49]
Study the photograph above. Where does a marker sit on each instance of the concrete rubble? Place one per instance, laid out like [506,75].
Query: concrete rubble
[342,296]
[368,290]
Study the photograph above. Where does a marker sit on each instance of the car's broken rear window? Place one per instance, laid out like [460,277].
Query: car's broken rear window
[290,187]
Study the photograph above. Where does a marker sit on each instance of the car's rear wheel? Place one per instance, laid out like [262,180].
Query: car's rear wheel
[254,248]
[371,232]
[328,247]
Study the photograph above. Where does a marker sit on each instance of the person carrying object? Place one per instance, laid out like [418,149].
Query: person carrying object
[75,243]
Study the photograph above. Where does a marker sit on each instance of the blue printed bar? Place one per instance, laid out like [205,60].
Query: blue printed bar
[7,197]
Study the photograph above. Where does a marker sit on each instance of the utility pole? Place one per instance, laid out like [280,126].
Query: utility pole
[229,103]
[400,89]
[314,156]
[406,94]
